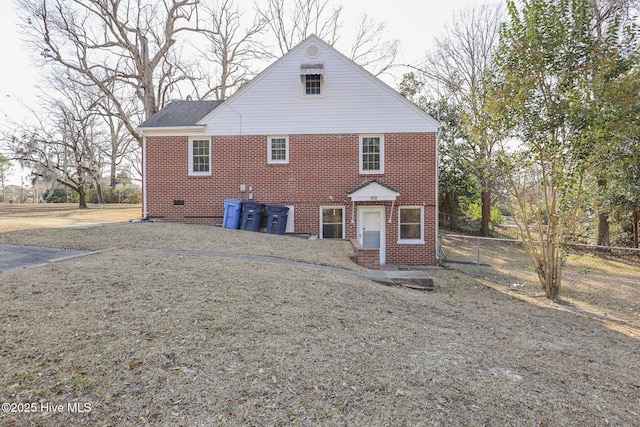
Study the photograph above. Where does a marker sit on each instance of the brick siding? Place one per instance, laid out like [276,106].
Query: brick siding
[369,258]
[320,172]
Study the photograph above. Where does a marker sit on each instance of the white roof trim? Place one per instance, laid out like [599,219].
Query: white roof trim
[199,127]
[374,192]
[171,130]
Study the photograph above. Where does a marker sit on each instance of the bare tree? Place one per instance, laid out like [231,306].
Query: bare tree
[369,50]
[231,46]
[121,143]
[5,165]
[131,42]
[65,143]
[459,65]
[291,21]
[604,11]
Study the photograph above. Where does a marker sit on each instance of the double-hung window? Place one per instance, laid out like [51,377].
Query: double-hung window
[278,149]
[332,222]
[371,154]
[199,156]
[411,224]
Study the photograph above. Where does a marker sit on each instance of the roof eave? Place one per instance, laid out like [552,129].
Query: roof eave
[153,129]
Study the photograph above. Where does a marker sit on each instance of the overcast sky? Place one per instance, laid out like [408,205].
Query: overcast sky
[413,22]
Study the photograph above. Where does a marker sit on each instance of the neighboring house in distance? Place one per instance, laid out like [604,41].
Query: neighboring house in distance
[314,131]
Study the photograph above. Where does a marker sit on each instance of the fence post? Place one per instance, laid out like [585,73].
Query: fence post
[441,254]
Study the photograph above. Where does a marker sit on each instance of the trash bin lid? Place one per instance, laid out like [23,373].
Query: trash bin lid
[275,209]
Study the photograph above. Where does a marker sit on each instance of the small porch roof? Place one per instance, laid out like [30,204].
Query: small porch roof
[373,191]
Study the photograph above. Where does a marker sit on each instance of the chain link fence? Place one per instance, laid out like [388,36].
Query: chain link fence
[506,262]
[501,260]
[607,278]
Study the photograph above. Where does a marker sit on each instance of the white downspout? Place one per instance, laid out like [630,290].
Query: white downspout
[145,211]
[437,209]
[353,210]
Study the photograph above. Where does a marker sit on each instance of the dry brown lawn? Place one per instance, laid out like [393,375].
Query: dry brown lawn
[159,339]
[56,215]
[601,288]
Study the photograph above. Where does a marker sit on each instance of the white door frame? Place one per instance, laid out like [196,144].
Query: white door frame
[383,240]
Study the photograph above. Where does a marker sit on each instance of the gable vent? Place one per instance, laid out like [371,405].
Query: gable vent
[313,51]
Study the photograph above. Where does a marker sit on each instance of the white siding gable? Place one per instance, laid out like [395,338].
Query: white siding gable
[352,101]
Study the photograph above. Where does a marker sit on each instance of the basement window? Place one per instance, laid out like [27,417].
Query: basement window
[332,222]
[411,224]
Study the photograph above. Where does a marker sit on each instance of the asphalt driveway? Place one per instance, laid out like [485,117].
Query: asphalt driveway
[15,257]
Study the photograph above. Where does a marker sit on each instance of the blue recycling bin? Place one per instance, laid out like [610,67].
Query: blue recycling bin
[277,219]
[251,216]
[232,213]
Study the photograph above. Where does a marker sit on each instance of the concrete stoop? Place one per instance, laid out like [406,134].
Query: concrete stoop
[409,279]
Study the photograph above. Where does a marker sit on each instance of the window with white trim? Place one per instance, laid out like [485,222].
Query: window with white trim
[199,156]
[278,149]
[313,84]
[371,154]
[332,222]
[411,224]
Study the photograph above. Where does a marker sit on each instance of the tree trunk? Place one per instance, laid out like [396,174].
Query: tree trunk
[486,212]
[82,195]
[636,222]
[451,202]
[603,221]
[148,94]
[99,195]
[603,229]
[552,288]
[550,272]
[453,215]
[112,176]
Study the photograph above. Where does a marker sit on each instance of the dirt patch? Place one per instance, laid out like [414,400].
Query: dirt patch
[151,338]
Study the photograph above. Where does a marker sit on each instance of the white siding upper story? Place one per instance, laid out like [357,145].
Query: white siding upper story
[352,100]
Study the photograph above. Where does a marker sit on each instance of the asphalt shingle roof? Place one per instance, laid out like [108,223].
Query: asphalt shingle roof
[180,113]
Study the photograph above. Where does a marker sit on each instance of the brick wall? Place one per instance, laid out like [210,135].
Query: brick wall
[320,172]
[369,258]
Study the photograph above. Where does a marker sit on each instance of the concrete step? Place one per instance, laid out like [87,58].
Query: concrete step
[408,278]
